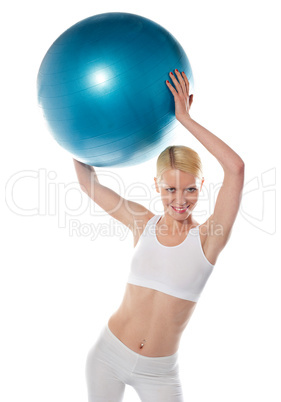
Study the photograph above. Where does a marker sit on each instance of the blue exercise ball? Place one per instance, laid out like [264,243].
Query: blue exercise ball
[101,86]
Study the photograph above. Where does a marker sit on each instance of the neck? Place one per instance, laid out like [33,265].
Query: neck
[173,223]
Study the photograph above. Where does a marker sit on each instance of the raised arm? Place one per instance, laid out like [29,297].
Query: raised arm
[229,197]
[86,175]
[220,223]
[130,213]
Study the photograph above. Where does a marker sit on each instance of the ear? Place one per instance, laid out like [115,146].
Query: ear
[190,100]
[156,185]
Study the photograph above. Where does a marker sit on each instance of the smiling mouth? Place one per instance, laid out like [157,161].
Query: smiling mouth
[180,210]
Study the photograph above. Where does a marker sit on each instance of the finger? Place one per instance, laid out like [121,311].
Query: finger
[181,80]
[176,83]
[186,82]
[172,89]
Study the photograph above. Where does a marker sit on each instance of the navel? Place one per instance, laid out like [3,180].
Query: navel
[142,343]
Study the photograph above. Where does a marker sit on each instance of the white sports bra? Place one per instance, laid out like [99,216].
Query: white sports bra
[181,271]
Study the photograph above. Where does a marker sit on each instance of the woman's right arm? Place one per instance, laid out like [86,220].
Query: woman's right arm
[86,175]
[129,213]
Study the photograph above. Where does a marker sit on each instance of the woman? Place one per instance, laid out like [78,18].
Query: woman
[173,258]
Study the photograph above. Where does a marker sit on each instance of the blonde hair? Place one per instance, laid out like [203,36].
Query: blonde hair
[179,157]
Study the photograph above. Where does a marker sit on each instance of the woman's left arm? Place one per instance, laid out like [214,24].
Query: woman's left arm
[220,223]
[229,160]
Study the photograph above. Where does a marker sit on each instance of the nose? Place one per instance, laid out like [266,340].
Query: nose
[180,199]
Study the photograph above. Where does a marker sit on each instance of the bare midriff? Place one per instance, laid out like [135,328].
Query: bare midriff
[150,322]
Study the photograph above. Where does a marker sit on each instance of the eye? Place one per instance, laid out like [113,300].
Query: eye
[190,189]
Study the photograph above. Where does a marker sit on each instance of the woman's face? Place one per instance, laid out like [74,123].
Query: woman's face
[179,192]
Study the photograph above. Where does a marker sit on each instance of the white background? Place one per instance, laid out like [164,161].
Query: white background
[59,286]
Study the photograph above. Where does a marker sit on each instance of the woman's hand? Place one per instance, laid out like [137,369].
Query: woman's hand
[85,173]
[182,99]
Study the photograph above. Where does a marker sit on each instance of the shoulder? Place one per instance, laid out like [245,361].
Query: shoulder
[140,223]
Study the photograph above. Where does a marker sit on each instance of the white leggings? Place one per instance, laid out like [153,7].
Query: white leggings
[110,365]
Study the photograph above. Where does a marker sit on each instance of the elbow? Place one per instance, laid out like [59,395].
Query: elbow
[236,169]
[241,167]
